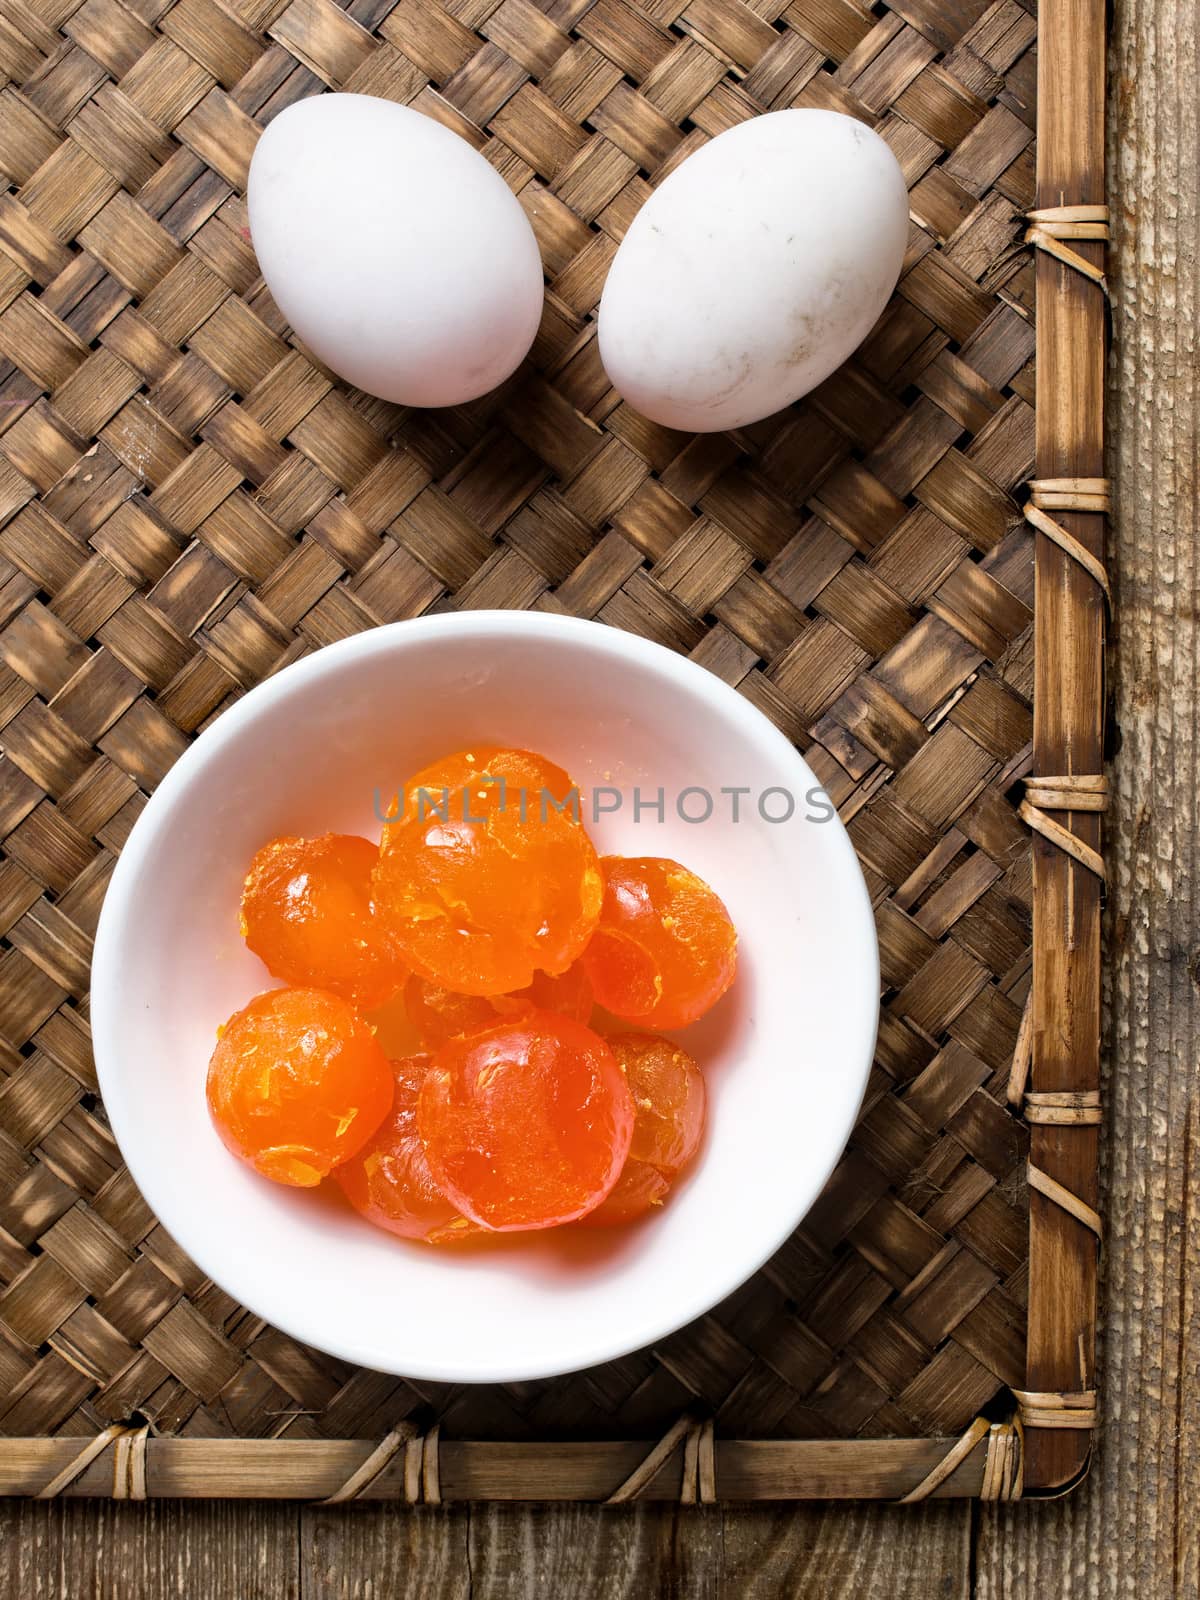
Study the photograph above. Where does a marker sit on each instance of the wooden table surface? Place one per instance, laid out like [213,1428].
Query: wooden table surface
[1133,1528]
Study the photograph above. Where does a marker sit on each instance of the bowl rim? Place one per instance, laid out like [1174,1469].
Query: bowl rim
[120,903]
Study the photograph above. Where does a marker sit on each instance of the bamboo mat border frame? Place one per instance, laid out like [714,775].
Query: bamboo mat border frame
[1043,1448]
[1069,713]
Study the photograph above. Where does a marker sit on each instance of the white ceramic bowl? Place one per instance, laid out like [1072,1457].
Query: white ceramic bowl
[785,1054]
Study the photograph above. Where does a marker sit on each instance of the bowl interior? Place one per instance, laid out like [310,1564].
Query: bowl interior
[785,1054]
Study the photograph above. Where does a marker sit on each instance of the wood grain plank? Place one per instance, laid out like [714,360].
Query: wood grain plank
[371,1552]
[847,1552]
[163,1550]
[605,1553]
[503,1552]
[1132,1529]
[510,1552]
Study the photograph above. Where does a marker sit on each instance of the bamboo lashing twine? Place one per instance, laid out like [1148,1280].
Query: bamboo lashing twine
[1065,1199]
[421,1479]
[1070,494]
[1073,793]
[1062,792]
[129,1463]
[1004,1464]
[1058,1108]
[1064,1108]
[1039,1409]
[1066,841]
[1067,793]
[1003,1477]
[699,1485]
[1018,1075]
[1051,226]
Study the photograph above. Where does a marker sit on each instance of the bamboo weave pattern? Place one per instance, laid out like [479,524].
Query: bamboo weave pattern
[188,502]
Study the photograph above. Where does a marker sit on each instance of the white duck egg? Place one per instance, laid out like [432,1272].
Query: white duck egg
[754,270]
[398,254]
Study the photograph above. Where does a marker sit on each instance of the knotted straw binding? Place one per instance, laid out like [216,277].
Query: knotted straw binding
[1056,1409]
[1003,1474]
[1051,225]
[422,1484]
[1070,494]
[129,1463]
[699,1485]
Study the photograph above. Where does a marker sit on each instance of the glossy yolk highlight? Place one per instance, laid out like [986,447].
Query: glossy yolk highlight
[296,1084]
[669,1108]
[527,1124]
[439,1014]
[480,887]
[389,1181]
[307,915]
[665,950]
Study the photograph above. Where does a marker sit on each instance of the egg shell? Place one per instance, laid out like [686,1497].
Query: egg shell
[398,254]
[754,269]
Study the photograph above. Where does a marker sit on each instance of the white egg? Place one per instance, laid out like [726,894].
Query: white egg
[754,270]
[398,254]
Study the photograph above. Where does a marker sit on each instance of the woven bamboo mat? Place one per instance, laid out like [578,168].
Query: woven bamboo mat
[188,502]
